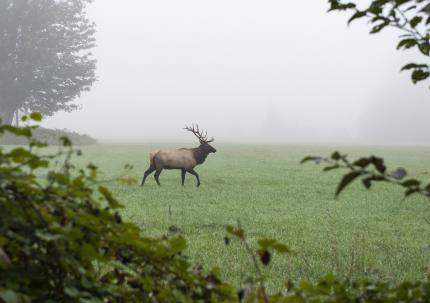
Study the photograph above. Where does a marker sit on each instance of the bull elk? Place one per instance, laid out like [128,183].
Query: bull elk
[184,159]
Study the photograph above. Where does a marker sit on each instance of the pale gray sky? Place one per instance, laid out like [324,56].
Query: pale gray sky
[247,71]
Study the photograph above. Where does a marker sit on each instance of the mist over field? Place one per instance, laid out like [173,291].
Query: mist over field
[306,179]
[247,71]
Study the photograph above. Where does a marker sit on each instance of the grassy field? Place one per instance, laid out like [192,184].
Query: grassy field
[373,234]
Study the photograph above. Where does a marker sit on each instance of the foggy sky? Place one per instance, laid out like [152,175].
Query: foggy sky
[273,71]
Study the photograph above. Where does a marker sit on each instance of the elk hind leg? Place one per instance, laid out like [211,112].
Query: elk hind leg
[183,172]
[157,175]
[149,171]
[193,172]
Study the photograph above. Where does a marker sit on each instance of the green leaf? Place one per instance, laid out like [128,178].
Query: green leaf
[280,248]
[407,43]
[36,116]
[424,48]
[20,155]
[178,244]
[113,203]
[413,66]
[306,286]
[357,15]
[378,163]
[328,168]
[266,243]
[411,183]
[362,163]
[411,191]
[337,5]
[375,8]
[419,75]
[379,27]
[415,21]
[88,251]
[336,155]
[311,158]
[346,180]
[237,232]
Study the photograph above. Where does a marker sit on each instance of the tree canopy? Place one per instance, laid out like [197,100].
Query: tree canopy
[45,57]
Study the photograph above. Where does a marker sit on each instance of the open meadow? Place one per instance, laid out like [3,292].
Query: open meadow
[373,234]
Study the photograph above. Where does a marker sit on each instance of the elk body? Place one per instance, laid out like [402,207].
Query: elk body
[184,159]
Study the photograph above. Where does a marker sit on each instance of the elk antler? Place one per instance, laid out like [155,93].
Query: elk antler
[199,134]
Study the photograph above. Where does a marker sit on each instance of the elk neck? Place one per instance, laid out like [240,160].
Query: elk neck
[199,154]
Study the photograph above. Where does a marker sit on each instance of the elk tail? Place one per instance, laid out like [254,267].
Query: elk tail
[151,157]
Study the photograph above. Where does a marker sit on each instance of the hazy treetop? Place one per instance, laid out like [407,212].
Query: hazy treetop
[248,70]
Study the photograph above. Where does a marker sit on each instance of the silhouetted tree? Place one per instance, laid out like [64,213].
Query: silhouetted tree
[45,58]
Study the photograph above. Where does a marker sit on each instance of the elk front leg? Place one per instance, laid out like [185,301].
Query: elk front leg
[183,172]
[156,175]
[193,172]
[149,171]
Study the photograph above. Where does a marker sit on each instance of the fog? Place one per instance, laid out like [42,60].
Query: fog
[247,71]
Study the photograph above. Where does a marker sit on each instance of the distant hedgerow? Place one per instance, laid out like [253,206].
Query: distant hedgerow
[50,136]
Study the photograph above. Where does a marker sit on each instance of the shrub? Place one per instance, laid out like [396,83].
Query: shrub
[62,239]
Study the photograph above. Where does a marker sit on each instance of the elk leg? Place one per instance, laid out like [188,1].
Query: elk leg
[147,173]
[156,175]
[183,176]
[193,172]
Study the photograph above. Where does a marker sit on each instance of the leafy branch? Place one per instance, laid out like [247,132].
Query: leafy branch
[409,16]
[369,170]
[264,252]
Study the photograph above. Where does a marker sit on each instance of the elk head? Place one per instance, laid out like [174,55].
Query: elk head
[203,138]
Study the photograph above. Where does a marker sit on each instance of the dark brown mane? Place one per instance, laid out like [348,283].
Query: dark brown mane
[199,154]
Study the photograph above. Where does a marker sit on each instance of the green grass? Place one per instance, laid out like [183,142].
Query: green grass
[372,234]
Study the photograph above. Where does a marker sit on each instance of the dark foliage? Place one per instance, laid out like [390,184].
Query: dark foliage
[368,170]
[62,239]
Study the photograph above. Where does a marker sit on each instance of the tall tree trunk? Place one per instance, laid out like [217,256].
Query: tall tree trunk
[6,112]
[17,118]
[6,116]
